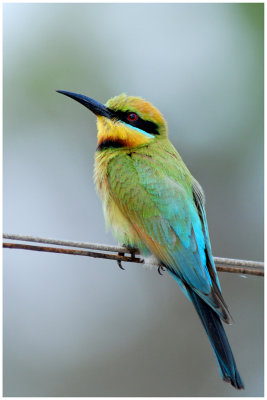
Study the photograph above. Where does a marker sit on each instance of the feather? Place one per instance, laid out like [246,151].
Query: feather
[160,206]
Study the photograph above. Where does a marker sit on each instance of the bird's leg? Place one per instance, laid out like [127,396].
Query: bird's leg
[129,249]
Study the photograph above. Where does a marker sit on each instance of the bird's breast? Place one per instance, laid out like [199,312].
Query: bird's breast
[114,216]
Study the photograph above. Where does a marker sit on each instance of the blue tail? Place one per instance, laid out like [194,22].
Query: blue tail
[218,339]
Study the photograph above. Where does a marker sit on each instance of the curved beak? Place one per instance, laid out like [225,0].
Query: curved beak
[93,105]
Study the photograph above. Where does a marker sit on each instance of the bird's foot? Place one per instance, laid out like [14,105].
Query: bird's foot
[130,250]
[119,261]
[161,268]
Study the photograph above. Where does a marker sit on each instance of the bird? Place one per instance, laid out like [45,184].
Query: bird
[152,202]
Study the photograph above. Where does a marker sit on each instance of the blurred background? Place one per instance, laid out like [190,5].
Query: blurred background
[76,326]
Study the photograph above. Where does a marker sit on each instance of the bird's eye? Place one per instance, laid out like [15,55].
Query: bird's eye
[132,117]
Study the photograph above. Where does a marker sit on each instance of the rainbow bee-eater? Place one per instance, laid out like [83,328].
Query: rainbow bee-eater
[153,203]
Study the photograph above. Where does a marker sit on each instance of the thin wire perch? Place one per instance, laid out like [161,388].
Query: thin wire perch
[243,267]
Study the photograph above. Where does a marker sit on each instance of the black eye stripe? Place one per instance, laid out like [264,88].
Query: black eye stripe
[147,126]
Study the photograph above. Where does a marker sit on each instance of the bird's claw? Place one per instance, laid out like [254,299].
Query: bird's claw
[132,252]
[161,268]
[119,261]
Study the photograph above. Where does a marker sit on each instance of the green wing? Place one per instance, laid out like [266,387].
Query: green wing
[164,204]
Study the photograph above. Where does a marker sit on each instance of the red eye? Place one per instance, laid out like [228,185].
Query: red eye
[132,117]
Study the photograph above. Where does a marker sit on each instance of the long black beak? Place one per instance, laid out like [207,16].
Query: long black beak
[93,105]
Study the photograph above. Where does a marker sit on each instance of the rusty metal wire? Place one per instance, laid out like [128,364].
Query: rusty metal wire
[243,267]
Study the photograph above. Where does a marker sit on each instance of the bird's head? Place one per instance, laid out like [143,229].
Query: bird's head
[124,121]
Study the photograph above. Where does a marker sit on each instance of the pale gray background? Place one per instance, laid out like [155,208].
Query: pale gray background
[82,327]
